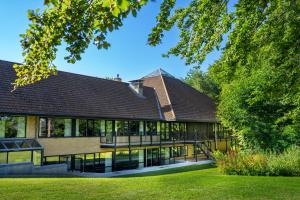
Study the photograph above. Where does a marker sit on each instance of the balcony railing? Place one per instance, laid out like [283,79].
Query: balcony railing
[145,140]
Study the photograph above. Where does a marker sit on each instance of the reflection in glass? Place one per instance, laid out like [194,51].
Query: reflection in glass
[19,157]
[12,127]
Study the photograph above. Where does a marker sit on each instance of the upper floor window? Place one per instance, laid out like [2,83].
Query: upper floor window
[12,126]
[125,128]
[151,128]
[55,127]
[90,127]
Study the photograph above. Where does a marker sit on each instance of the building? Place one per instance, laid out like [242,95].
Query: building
[98,125]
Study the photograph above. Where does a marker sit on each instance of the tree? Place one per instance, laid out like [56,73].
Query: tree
[258,72]
[77,23]
[203,82]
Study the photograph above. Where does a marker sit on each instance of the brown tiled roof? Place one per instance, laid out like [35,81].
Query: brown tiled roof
[179,101]
[157,83]
[68,94]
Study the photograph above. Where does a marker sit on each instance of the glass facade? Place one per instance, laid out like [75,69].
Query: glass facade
[12,127]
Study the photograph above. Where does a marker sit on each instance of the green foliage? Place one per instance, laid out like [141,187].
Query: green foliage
[202,82]
[77,23]
[258,73]
[201,24]
[258,163]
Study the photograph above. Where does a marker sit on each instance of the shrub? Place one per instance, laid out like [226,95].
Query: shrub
[260,163]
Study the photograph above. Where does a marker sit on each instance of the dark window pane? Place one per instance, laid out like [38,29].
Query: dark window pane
[60,127]
[97,128]
[151,128]
[133,127]
[11,145]
[23,144]
[2,147]
[81,127]
[90,128]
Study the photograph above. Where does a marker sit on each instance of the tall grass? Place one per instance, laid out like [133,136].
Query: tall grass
[236,162]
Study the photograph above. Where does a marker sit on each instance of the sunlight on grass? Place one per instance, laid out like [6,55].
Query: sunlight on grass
[192,182]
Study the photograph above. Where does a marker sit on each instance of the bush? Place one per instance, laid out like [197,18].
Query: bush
[260,163]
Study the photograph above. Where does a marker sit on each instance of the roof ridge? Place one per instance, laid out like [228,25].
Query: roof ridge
[72,73]
[168,97]
[158,72]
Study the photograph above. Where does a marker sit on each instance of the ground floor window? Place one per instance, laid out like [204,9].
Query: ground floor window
[3,158]
[120,160]
[21,157]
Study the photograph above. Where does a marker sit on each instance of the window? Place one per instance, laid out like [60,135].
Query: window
[133,127]
[55,127]
[12,127]
[51,160]
[141,128]
[3,158]
[37,157]
[98,129]
[81,126]
[119,128]
[109,127]
[88,127]
[19,157]
[151,128]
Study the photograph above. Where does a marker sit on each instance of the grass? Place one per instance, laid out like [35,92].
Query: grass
[193,182]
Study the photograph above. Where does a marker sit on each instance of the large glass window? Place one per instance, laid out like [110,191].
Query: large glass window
[125,128]
[55,127]
[90,127]
[12,127]
[19,157]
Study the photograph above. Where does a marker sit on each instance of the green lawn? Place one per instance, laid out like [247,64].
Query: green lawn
[191,182]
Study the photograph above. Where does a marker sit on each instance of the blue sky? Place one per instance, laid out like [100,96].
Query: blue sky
[129,55]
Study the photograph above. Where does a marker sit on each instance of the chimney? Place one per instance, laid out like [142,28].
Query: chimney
[118,78]
[137,86]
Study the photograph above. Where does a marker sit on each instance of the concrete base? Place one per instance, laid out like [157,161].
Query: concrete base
[142,170]
[30,169]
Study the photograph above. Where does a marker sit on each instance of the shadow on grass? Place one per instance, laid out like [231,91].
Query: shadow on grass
[170,171]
